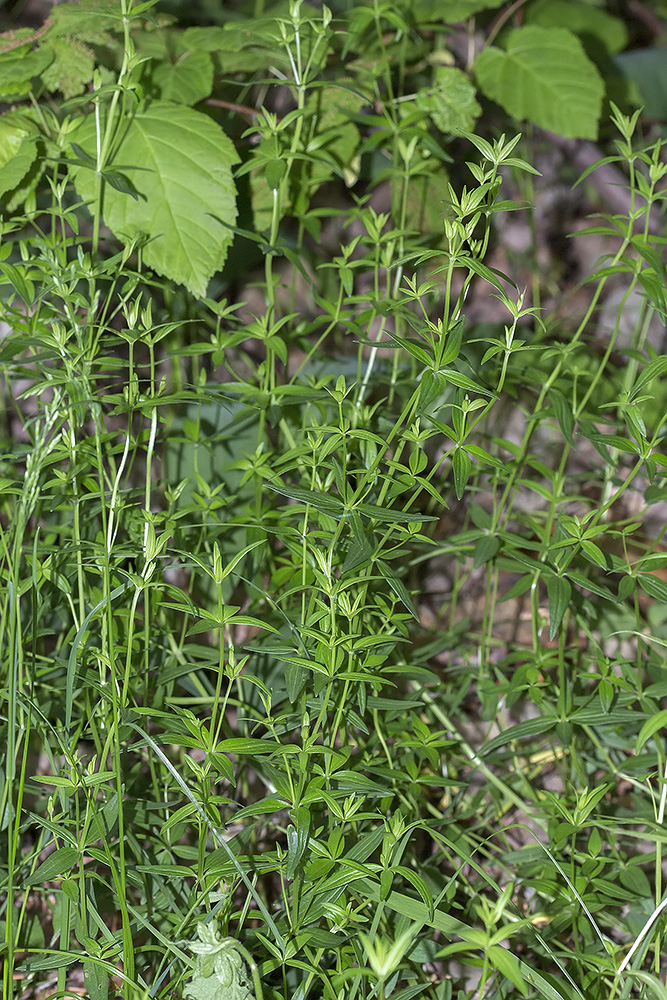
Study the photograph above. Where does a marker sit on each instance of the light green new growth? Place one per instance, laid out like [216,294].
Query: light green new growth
[222,969]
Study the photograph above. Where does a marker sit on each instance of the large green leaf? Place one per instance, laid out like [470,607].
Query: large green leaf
[18,68]
[186,81]
[581,18]
[544,76]
[15,168]
[88,20]
[451,103]
[336,137]
[72,67]
[647,69]
[180,164]
[449,11]
[12,134]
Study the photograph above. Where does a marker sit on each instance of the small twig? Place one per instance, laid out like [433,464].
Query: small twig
[502,19]
[642,13]
[242,109]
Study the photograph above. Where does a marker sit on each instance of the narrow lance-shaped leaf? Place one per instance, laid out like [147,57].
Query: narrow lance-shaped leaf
[397,586]
[462,466]
[320,501]
[297,840]
[57,865]
[653,370]
[650,727]
[564,414]
[560,592]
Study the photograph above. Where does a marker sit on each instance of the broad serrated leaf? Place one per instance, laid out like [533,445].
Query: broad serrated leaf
[180,163]
[88,20]
[544,76]
[449,11]
[18,38]
[336,135]
[15,170]
[72,66]
[186,81]
[581,18]
[451,103]
[211,39]
[238,46]
[426,203]
[220,968]
[12,134]
[18,68]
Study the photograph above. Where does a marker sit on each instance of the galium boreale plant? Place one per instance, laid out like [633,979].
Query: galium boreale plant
[215,535]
